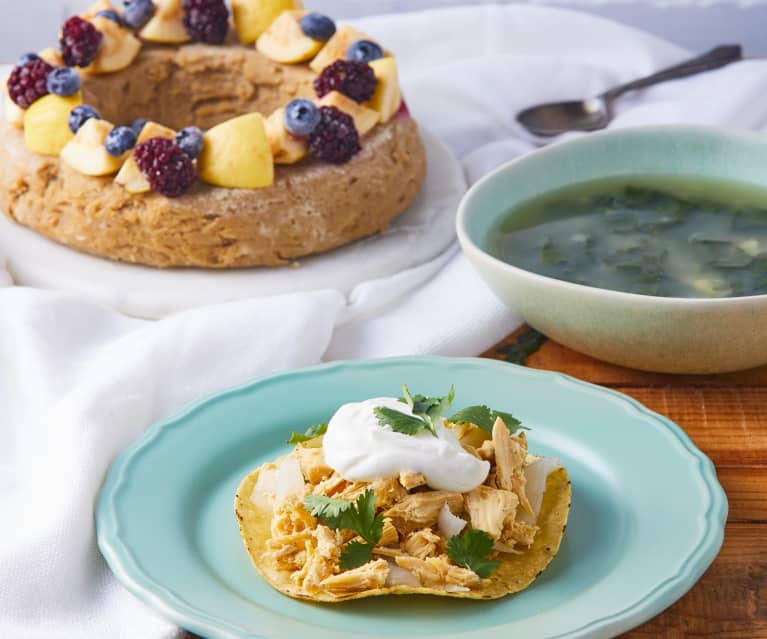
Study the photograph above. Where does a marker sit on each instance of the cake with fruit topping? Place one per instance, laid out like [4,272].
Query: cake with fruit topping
[158,135]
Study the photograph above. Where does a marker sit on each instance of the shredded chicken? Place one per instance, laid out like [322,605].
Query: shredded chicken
[321,560]
[312,462]
[518,532]
[510,454]
[422,543]
[372,575]
[438,572]
[389,536]
[410,480]
[291,517]
[422,509]
[387,491]
[487,451]
[331,486]
[488,508]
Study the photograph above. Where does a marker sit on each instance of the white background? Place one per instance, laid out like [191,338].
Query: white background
[695,24]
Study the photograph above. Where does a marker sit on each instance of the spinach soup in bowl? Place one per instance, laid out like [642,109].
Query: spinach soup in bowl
[671,236]
[644,247]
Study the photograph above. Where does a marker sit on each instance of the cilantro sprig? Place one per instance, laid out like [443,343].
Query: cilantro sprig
[359,516]
[471,551]
[315,430]
[426,413]
[484,417]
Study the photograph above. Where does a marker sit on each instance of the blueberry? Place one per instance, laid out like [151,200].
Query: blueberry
[119,140]
[137,12]
[80,115]
[26,59]
[364,51]
[301,117]
[190,141]
[138,125]
[318,26]
[110,15]
[63,81]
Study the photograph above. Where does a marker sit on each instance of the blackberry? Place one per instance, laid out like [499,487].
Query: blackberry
[27,83]
[354,79]
[80,42]
[206,20]
[166,167]
[335,138]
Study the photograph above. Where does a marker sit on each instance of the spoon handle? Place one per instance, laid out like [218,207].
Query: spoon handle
[718,57]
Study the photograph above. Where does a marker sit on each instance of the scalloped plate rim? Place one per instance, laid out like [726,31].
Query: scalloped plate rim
[126,568]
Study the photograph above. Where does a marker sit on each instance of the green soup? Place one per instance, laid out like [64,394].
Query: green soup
[668,236]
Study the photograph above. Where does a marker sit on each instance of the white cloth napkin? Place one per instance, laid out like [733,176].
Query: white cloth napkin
[78,381]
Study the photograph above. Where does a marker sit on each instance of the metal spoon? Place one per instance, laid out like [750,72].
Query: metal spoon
[595,113]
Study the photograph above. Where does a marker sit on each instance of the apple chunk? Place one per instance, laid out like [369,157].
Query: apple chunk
[46,123]
[253,17]
[284,41]
[237,154]
[86,152]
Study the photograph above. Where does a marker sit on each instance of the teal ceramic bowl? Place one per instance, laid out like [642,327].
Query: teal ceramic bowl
[673,335]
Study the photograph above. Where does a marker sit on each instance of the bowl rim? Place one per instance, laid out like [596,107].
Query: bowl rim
[473,248]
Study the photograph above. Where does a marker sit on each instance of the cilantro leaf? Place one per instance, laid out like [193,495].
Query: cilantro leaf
[315,430]
[400,422]
[528,342]
[484,418]
[359,516]
[355,554]
[330,511]
[471,551]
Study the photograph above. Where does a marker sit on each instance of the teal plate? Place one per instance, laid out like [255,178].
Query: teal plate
[647,513]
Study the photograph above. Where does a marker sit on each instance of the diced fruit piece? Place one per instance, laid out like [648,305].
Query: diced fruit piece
[86,151]
[364,119]
[253,17]
[166,167]
[52,56]
[46,123]
[286,148]
[63,81]
[190,141]
[388,96]
[364,51]
[80,115]
[167,24]
[318,26]
[284,41]
[335,48]
[80,42]
[13,112]
[335,138]
[137,12]
[154,130]
[301,117]
[120,140]
[129,175]
[355,80]
[27,84]
[206,20]
[237,154]
[119,48]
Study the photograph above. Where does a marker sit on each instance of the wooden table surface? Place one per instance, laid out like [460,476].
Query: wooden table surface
[726,417]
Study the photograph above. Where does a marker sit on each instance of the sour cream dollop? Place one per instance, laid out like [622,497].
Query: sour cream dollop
[360,449]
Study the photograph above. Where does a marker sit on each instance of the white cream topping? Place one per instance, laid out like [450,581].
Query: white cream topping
[361,449]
